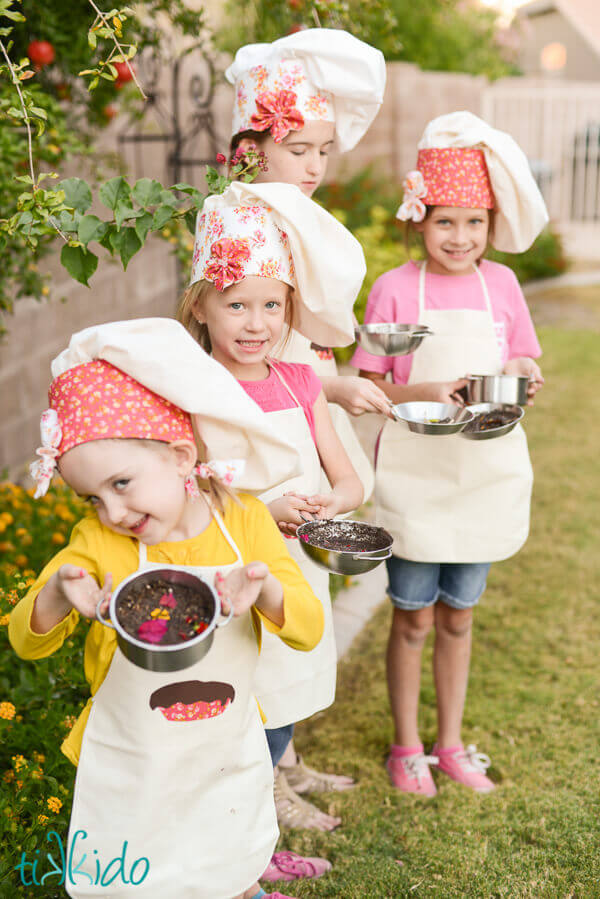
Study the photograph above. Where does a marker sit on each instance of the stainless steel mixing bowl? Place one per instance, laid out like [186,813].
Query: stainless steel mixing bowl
[390,339]
[428,418]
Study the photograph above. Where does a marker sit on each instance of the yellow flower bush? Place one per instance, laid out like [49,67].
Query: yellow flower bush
[7,710]
[54,804]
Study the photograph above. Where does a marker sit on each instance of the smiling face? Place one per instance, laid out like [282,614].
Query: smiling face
[300,158]
[136,486]
[455,238]
[244,323]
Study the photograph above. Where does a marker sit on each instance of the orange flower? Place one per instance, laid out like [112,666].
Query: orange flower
[4,619]
[43,819]
[19,762]
[54,804]
[7,711]
[21,560]
[58,538]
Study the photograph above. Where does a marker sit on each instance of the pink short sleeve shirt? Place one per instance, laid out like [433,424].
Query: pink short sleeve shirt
[394,297]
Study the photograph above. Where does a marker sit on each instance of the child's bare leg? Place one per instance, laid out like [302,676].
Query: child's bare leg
[451,658]
[405,646]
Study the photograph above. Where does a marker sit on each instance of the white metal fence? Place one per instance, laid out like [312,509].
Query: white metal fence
[558,127]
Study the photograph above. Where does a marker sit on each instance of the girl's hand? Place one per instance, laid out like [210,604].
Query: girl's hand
[443,391]
[242,587]
[291,510]
[356,395]
[77,589]
[328,505]
[523,366]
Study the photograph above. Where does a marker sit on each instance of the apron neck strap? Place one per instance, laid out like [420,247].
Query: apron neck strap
[143,552]
[272,366]
[422,270]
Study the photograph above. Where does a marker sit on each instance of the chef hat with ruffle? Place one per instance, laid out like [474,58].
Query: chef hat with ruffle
[319,74]
[273,230]
[463,161]
[149,379]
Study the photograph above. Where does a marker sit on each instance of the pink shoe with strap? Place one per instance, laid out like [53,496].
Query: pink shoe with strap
[408,768]
[290,866]
[465,766]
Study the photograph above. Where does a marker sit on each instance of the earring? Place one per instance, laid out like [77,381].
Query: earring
[191,487]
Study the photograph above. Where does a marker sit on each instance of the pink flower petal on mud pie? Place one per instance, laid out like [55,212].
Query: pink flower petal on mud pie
[153,631]
[168,600]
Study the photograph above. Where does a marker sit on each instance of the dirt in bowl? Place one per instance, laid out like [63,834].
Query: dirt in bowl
[489,421]
[164,613]
[346,536]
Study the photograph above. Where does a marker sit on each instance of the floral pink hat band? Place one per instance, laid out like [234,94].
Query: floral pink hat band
[450,176]
[96,401]
[279,98]
[233,242]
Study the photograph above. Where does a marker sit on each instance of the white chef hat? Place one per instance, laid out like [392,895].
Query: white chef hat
[318,74]
[159,354]
[274,231]
[520,211]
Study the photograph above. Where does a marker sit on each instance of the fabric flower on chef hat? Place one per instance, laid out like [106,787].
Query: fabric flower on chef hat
[414,190]
[51,434]
[225,265]
[314,75]
[277,112]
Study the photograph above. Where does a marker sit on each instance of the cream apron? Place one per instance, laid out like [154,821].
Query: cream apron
[299,349]
[194,797]
[448,499]
[292,685]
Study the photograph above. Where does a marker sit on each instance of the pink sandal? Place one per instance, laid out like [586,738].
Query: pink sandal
[290,866]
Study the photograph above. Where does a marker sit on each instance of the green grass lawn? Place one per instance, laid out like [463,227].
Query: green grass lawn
[532,704]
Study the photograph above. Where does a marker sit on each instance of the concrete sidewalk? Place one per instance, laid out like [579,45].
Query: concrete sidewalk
[356,605]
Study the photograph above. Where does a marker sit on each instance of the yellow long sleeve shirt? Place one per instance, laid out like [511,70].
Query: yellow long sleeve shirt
[99,551]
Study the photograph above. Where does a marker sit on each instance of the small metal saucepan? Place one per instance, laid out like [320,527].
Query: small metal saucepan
[350,561]
[496,389]
[390,339]
[173,657]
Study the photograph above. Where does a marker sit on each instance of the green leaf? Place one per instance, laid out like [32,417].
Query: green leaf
[190,220]
[107,238]
[115,192]
[125,211]
[162,215]
[80,263]
[90,228]
[77,194]
[168,198]
[129,244]
[92,40]
[147,192]
[143,225]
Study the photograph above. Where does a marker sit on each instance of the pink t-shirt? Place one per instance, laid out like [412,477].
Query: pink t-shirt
[271,395]
[394,297]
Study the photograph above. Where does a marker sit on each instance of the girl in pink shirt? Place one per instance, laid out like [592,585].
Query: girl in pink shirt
[452,505]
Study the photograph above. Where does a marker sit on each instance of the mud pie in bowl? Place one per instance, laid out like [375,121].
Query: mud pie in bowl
[164,618]
[192,700]
[492,420]
[346,546]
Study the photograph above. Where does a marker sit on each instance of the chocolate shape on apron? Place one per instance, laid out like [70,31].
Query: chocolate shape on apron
[299,349]
[447,499]
[292,685]
[195,797]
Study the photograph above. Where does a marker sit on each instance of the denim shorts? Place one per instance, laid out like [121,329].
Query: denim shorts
[416,585]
